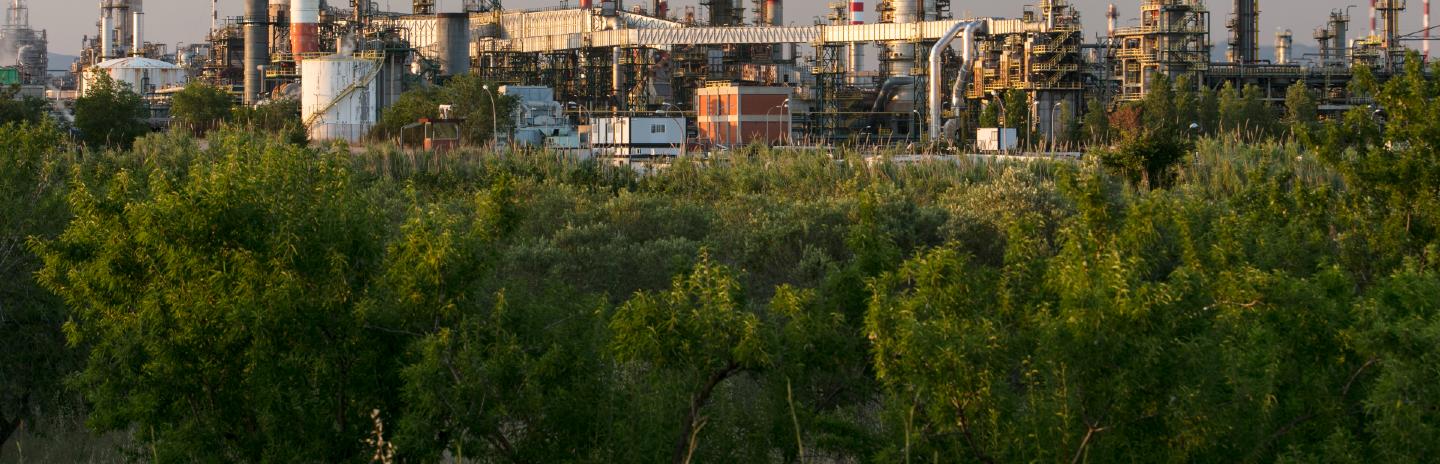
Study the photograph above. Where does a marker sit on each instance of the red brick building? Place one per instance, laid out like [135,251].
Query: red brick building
[731,115]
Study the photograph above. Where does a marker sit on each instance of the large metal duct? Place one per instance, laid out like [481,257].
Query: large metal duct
[304,27]
[453,48]
[967,31]
[257,50]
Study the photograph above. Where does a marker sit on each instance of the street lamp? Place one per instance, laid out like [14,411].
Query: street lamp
[1053,138]
[494,117]
[786,105]
[589,120]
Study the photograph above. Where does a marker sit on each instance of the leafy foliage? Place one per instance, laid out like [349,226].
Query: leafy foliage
[110,114]
[200,107]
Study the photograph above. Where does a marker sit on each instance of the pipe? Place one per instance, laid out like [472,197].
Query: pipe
[967,53]
[137,48]
[257,49]
[887,89]
[305,27]
[1425,47]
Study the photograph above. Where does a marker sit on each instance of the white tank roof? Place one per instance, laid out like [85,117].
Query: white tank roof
[135,62]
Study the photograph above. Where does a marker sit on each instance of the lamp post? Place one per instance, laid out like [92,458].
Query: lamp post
[494,118]
[1000,132]
[786,105]
[589,119]
[1053,137]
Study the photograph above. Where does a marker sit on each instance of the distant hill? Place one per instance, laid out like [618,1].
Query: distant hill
[60,62]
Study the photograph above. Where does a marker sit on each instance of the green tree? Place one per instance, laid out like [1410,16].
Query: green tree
[1231,109]
[277,117]
[33,162]
[1096,123]
[1016,114]
[110,114]
[217,301]
[20,110]
[1302,112]
[471,99]
[200,107]
[701,332]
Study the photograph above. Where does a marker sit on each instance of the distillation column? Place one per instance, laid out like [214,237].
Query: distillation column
[257,50]
[1245,32]
[1284,42]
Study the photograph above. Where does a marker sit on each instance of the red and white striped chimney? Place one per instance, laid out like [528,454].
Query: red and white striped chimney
[857,12]
[304,27]
[586,4]
[1372,18]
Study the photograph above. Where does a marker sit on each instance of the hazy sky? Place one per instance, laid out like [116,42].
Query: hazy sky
[175,21]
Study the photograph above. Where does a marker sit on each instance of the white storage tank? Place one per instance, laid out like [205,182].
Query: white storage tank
[144,75]
[337,97]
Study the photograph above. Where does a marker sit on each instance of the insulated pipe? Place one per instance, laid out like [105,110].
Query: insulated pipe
[968,30]
[137,47]
[305,27]
[257,49]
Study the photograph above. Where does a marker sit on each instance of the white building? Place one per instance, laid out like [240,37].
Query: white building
[637,137]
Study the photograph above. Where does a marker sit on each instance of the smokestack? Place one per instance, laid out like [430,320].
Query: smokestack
[454,43]
[774,13]
[857,50]
[137,47]
[257,53]
[1425,48]
[1372,18]
[107,37]
[1112,19]
[586,4]
[305,27]
[1284,40]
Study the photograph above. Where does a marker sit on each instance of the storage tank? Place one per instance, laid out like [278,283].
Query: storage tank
[337,97]
[144,75]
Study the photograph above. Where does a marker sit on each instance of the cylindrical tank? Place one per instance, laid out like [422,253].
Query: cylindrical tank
[453,46]
[906,11]
[144,75]
[337,97]
[257,49]
[304,27]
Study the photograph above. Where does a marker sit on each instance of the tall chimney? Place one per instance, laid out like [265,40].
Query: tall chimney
[137,47]
[1425,47]
[586,4]
[257,50]
[774,13]
[1112,19]
[454,43]
[857,50]
[305,27]
[107,36]
[1372,18]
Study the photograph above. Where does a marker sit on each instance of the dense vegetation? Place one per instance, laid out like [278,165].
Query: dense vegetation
[1250,296]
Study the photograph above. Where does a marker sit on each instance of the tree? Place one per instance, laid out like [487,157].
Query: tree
[217,300]
[1096,123]
[1231,109]
[277,117]
[1301,111]
[32,207]
[700,331]
[470,101]
[200,107]
[110,114]
[20,110]
[1016,113]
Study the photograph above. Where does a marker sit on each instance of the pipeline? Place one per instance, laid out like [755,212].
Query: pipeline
[887,90]
[967,63]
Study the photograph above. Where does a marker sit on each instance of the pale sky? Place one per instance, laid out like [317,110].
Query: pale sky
[176,21]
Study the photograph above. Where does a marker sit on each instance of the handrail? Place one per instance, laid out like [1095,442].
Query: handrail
[370,77]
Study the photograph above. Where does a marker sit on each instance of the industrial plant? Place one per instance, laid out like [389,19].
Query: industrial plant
[640,79]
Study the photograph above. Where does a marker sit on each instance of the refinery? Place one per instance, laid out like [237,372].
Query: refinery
[641,80]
